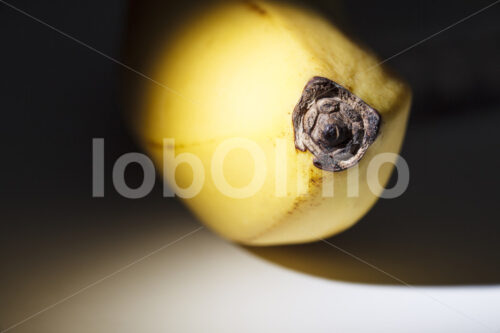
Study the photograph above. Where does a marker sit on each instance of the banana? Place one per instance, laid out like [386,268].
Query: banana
[270,121]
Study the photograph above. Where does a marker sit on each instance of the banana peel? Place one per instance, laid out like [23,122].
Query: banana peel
[235,73]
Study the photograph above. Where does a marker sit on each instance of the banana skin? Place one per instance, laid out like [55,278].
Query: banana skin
[238,71]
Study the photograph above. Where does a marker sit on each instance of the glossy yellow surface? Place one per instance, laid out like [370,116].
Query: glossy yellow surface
[239,70]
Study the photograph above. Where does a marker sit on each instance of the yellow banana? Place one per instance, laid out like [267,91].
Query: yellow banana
[237,73]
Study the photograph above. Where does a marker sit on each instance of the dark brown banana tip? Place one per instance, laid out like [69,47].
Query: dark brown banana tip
[335,125]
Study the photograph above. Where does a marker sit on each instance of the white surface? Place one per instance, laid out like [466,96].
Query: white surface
[204,284]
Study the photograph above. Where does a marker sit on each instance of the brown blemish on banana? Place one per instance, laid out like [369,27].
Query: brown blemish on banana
[256,8]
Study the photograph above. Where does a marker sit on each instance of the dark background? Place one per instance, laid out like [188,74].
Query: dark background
[56,95]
